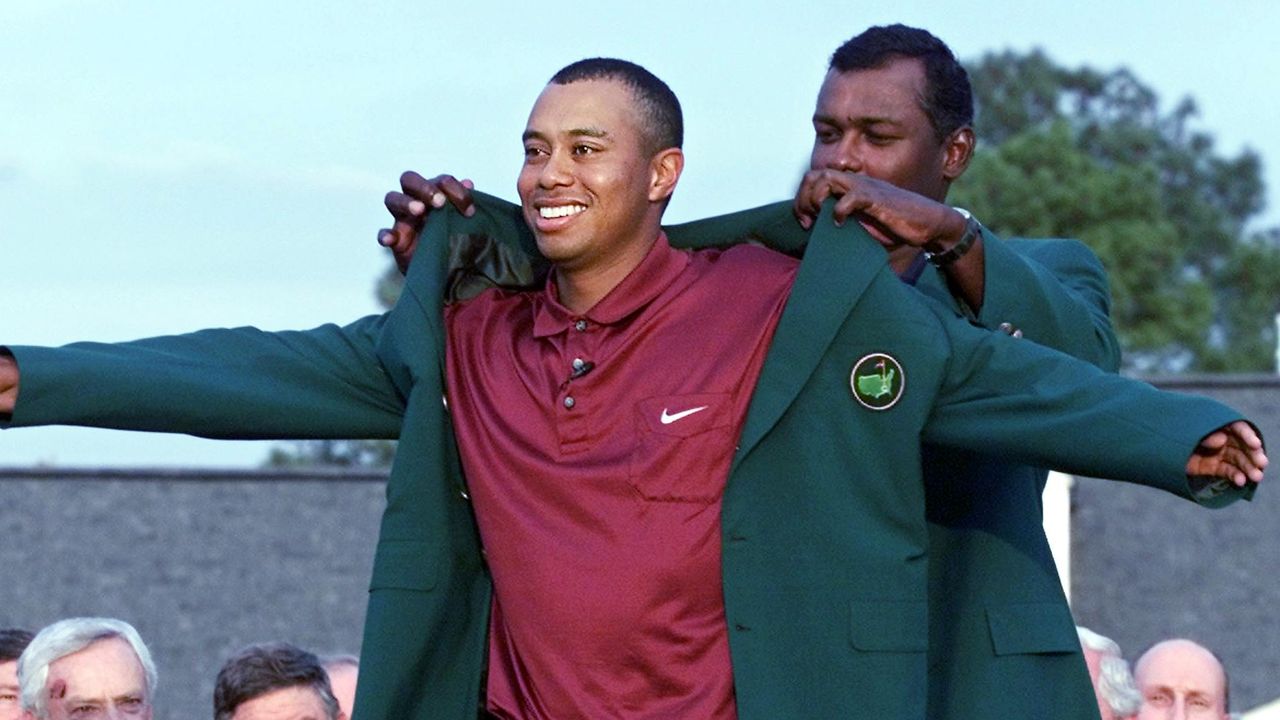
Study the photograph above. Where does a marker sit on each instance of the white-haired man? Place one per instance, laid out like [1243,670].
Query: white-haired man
[87,669]
[1118,696]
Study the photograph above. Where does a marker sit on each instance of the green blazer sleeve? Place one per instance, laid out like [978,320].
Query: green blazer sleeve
[1014,399]
[224,383]
[1055,291]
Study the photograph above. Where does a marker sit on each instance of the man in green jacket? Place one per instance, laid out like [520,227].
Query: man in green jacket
[892,130]
[615,407]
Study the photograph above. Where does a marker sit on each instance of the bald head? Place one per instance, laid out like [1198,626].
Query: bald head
[1180,678]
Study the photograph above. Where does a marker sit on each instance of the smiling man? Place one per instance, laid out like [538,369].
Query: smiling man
[646,493]
[892,127]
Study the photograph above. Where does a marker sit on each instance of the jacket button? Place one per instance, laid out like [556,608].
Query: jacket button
[1009,329]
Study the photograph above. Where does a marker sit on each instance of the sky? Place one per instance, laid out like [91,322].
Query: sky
[169,166]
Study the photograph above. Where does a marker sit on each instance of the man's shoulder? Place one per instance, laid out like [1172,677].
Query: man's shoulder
[749,258]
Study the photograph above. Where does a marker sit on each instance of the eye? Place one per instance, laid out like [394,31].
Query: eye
[879,140]
[581,149]
[132,706]
[826,135]
[533,152]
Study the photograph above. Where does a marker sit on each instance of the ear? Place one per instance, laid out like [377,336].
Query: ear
[957,151]
[664,173]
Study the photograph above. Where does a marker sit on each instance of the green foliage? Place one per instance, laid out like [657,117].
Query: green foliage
[1080,153]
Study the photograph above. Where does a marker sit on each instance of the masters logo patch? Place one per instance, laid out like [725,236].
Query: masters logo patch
[877,381]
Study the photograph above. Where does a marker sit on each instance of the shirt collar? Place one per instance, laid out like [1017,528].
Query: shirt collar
[659,268]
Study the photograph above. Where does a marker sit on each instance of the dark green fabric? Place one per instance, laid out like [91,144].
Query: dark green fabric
[1001,640]
[823,525]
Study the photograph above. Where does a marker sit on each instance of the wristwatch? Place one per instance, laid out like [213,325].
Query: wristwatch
[972,229]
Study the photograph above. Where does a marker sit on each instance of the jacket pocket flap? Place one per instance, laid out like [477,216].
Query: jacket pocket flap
[1020,628]
[404,564]
[889,625]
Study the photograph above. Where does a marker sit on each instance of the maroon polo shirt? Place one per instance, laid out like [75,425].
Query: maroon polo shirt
[596,448]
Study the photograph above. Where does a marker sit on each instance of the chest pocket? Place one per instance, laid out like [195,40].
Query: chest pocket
[683,447]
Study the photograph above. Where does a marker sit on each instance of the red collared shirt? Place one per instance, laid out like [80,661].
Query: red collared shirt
[596,449]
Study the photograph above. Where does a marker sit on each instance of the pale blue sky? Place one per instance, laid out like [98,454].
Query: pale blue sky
[167,166]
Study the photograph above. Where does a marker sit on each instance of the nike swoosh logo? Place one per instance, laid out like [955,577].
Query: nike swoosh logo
[668,419]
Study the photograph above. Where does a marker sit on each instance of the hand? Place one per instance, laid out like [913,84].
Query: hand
[8,383]
[409,208]
[1233,452]
[893,216]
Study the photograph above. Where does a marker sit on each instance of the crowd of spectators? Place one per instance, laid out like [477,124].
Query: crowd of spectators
[1175,678]
[100,669]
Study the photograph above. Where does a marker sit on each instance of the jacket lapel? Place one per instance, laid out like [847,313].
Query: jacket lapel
[839,263]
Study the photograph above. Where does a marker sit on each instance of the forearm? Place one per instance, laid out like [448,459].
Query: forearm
[1014,400]
[241,383]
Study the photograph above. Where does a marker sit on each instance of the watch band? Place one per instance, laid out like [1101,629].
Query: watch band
[972,229]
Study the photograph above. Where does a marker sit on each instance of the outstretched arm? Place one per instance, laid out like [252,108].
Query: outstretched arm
[224,383]
[1014,399]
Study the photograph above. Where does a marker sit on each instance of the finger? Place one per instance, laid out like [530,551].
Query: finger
[386,238]
[848,204]
[418,187]
[457,193]
[1212,442]
[405,208]
[1248,436]
[404,236]
[1229,462]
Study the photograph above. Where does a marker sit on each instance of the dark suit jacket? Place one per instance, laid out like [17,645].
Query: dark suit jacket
[824,537]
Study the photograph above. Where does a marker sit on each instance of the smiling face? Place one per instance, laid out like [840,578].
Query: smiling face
[104,680]
[592,189]
[872,122]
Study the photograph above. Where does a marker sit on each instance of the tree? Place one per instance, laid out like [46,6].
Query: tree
[1086,154]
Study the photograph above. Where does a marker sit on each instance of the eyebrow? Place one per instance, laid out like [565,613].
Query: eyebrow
[859,121]
[593,132]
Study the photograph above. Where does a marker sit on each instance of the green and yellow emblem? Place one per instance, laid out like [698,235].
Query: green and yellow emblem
[877,381]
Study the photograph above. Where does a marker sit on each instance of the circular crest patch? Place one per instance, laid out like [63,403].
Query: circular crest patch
[877,381]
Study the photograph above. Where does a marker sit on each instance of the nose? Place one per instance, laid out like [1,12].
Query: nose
[555,171]
[847,156]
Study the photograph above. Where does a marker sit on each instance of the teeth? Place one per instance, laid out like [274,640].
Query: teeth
[561,211]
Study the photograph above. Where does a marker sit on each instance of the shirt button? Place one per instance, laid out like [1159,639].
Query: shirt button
[580,325]
[569,402]
[578,364]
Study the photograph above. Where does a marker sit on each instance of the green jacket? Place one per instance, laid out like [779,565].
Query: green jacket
[1002,641]
[823,523]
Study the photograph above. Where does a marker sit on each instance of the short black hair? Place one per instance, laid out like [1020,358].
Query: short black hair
[261,669]
[12,642]
[948,100]
[662,121]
